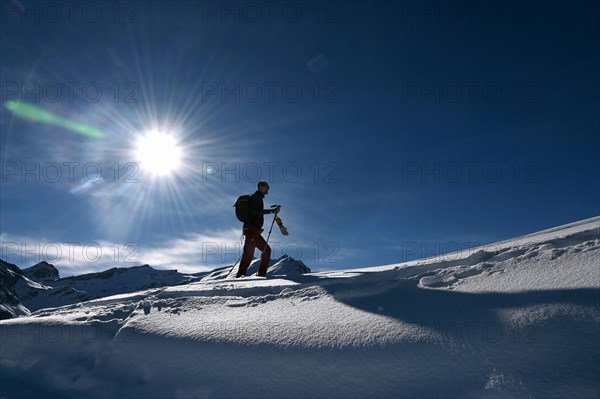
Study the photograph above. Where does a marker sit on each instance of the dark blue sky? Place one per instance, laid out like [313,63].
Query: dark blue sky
[393,131]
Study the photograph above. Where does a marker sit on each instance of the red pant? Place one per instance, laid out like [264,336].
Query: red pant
[254,240]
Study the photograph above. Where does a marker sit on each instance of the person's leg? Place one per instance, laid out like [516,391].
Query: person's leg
[262,245]
[250,235]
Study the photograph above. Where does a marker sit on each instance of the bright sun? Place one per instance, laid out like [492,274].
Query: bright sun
[158,153]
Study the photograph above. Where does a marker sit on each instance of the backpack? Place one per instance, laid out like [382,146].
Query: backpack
[242,208]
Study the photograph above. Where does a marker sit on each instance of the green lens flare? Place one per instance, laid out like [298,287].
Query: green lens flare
[33,113]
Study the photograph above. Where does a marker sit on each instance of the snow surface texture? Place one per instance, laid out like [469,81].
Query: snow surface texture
[520,318]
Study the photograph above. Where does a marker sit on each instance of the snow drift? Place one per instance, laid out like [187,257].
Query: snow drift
[518,318]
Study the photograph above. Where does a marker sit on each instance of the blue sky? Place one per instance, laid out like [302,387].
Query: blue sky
[388,131]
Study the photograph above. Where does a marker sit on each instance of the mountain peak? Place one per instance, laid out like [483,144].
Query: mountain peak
[41,271]
[285,264]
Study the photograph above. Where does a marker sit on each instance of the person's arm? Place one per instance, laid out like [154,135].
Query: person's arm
[272,210]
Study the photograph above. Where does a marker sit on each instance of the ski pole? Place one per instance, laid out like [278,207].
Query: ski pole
[271,229]
[233,267]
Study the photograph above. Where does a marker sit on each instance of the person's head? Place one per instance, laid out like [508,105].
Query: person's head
[263,187]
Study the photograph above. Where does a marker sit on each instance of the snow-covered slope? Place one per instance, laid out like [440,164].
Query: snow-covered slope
[40,286]
[120,280]
[10,304]
[519,318]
